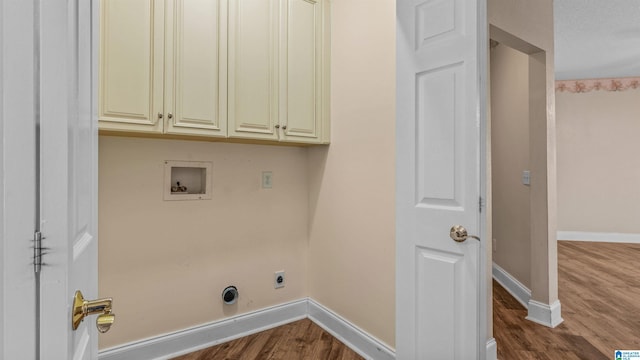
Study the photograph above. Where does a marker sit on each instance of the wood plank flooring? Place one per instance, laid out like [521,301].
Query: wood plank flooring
[599,289]
[298,340]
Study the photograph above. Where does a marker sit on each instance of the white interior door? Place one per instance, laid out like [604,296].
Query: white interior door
[438,180]
[68,135]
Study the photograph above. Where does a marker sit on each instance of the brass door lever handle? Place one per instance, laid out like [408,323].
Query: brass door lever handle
[83,308]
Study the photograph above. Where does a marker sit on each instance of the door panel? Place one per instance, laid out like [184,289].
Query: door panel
[437,270]
[253,68]
[69,176]
[438,94]
[131,58]
[438,179]
[195,82]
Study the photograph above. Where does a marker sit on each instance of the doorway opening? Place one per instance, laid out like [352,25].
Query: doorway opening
[510,169]
[524,249]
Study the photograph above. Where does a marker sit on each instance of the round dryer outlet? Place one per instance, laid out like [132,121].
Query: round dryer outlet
[230,295]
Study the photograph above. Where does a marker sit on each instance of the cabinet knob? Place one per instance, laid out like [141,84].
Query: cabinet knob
[160,115]
[277,126]
[170,115]
[284,127]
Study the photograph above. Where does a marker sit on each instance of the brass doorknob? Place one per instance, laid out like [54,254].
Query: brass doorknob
[104,322]
[83,308]
[459,234]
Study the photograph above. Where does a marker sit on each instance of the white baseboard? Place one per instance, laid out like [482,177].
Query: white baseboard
[357,339]
[492,350]
[599,237]
[543,314]
[200,337]
[189,340]
[512,285]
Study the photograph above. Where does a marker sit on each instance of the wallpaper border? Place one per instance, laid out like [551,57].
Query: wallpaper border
[588,85]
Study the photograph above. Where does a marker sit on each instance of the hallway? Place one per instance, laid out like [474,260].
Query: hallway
[599,288]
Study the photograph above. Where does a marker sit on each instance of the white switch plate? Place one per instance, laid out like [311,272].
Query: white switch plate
[526,177]
[267,179]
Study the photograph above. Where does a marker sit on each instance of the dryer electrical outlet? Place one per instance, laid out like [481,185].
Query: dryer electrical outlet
[278,279]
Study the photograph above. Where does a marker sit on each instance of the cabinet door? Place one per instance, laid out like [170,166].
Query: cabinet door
[131,65]
[196,70]
[301,71]
[253,66]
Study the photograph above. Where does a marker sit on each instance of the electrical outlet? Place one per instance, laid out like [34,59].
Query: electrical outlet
[526,177]
[278,279]
[495,245]
[267,179]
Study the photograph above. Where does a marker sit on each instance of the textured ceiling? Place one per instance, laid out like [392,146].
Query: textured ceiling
[597,38]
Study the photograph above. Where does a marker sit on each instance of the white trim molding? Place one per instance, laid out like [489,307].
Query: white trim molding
[200,337]
[355,338]
[512,285]
[540,313]
[492,350]
[599,237]
[543,314]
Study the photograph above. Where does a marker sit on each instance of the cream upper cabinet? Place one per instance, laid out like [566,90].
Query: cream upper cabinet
[195,85]
[278,75]
[245,69]
[303,115]
[131,65]
[163,66]
[253,68]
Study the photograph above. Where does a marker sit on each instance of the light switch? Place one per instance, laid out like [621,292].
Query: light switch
[526,177]
[267,180]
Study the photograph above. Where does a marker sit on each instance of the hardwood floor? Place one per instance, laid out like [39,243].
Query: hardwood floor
[298,340]
[599,289]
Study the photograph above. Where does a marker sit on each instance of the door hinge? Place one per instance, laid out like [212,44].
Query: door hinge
[37,251]
[480,204]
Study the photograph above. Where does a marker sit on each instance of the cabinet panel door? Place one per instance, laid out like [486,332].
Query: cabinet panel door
[195,78]
[302,71]
[131,65]
[253,80]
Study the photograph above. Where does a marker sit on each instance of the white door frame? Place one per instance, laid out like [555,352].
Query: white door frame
[486,255]
[18,116]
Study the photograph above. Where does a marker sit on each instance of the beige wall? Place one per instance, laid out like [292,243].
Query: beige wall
[528,26]
[334,206]
[598,172]
[166,262]
[328,221]
[510,157]
[352,201]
